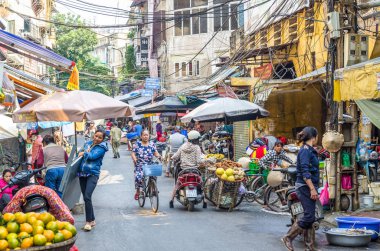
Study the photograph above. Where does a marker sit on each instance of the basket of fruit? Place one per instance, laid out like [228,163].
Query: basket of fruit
[35,231]
[226,190]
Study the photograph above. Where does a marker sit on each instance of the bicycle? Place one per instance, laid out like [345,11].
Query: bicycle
[275,197]
[149,188]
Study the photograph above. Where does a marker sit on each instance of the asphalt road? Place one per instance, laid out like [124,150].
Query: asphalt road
[123,225]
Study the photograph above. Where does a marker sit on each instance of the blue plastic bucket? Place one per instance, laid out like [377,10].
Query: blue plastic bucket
[152,170]
[360,222]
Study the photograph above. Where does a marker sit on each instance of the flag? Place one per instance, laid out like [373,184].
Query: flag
[73,83]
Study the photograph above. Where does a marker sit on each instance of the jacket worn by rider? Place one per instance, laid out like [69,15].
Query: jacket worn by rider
[92,160]
[307,166]
[189,154]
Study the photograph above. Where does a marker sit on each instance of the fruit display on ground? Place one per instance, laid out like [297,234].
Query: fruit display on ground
[230,171]
[21,231]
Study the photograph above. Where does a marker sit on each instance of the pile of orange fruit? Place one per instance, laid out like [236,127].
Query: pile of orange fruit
[21,231]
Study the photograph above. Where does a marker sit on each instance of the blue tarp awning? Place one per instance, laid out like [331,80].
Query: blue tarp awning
[32,50]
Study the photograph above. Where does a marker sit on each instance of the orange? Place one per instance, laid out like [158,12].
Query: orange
[71,228]
[66,234]
[11,236]
[27,243]
[38,230]
[13,243]
[39,223]
[13,227]
[45,217]
[3,233]
[61,224]
[23,235]
[8,217]
[3,245]
[49,235]
[39,240]
[58,237]
[31,220]
[53,226]
[26,227]
[20,217]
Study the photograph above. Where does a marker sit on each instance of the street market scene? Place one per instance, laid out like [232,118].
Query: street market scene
[189,124]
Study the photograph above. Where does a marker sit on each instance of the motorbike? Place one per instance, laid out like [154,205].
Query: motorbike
[34,202]
[223,143]
[189,188]
[294,204]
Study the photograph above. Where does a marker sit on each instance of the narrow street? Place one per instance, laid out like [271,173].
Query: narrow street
[123,225]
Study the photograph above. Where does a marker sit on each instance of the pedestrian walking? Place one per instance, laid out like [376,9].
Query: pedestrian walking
[306,188]
[55,159]
[6,195]
[37,151]
[115,140]
[142,153]
[89,171]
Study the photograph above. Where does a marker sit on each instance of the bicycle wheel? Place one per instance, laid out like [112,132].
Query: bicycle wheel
[258,187]
[153,194]
[142,196]
[208,188]
[275,198]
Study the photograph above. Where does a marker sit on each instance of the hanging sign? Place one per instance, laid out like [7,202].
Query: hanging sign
[152,83]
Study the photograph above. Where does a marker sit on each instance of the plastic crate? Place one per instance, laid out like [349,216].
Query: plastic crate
[152,170]
[253,168]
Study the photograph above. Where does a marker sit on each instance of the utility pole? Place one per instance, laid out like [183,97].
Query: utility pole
[342,18]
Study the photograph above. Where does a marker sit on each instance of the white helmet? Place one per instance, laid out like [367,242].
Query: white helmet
[193,135]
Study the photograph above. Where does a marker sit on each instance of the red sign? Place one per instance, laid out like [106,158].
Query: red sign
[263,72]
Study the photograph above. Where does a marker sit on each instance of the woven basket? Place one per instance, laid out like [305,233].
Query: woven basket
[62,246]
[225,194]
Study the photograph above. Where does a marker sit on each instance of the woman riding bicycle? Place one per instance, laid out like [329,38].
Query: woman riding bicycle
[274,157]
[142,153]
[189,155]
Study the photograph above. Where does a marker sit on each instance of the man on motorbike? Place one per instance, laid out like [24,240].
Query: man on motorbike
[176,140]
[189,155]
[275,156]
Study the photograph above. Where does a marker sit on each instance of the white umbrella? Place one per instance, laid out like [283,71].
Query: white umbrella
[226,109]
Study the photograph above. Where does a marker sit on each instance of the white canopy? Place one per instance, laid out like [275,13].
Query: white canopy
[8,129]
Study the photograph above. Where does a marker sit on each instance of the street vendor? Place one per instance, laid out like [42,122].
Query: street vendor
[275,157]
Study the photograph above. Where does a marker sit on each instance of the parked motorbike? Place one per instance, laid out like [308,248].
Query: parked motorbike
[189,188]
[34,202]
[294,204]
[223,143]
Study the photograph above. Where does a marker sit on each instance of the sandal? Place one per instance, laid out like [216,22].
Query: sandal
[137,194]
[93,223]
[167,174]
[87,227]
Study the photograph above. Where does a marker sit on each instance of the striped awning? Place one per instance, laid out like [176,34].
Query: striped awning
[34,51]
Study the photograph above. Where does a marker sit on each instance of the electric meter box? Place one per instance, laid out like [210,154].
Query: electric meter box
[355,48]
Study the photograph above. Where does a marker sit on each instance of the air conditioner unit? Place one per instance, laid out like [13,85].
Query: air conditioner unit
[355,48]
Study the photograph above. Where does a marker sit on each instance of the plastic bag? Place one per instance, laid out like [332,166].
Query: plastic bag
[324,197]
[346,182]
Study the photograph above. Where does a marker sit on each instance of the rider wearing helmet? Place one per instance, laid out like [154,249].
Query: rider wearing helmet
[189,155]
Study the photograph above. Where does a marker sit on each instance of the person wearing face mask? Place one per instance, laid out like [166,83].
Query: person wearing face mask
[89,171]
[6,195]
[306,188]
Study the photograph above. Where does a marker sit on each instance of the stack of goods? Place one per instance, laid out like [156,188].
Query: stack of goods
[230,171]
[23,231]
[216,156]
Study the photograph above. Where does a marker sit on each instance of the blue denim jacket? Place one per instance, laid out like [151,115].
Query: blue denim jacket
[92,161]
[308,165]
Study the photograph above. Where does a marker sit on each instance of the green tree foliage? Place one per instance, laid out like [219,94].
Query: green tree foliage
[77,44]
[131,71]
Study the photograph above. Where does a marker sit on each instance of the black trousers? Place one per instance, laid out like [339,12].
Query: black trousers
[87,186]
[308,205]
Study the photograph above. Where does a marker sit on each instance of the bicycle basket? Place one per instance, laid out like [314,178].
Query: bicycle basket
[152,170]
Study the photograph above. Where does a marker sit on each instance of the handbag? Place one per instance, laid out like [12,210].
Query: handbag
[324,197]
[40,159]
